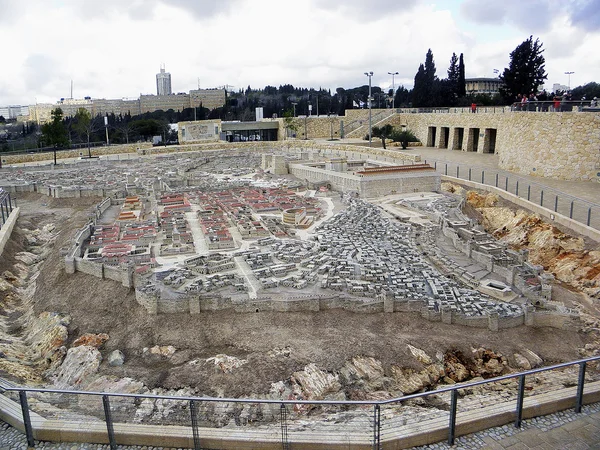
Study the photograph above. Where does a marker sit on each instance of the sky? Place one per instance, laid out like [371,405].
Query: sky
[114,48]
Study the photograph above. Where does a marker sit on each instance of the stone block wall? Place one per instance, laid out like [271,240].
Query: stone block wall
[561,146]
[75,153]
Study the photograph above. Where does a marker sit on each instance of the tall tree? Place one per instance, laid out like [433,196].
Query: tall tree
[54,133]
[426,90]
[419,93]
[453,79]
[462,87]
[526,71]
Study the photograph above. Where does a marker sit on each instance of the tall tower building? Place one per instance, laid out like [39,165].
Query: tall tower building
[163,82]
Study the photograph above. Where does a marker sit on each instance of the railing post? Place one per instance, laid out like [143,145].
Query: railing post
[580,383]
[284,429]
[482,176]
[457,168]
[26,418]
[589,217]
[469,174]
[571,211]
[446,172]
[506,183]
[516,189]
[109,424]
[194,417]
[528,192]
[520,395]
[376,427]
[496,180]
[542,198]
[452,421]
[556,203]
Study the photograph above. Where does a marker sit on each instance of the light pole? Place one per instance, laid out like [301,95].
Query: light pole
[569,73]
[294,105]
[393,74]
[370,74]
[106,128]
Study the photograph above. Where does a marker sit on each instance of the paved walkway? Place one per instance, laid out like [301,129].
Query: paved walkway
[564,430]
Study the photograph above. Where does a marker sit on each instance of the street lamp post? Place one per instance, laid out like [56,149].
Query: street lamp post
[569,74]
[294,105]
[393,74]
[370,74]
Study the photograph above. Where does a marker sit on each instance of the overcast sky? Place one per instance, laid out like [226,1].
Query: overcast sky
[114,48]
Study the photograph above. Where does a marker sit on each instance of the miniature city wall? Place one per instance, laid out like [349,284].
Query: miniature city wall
[196,303]
[148,295]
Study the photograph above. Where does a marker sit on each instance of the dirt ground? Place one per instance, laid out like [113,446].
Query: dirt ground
[326,338]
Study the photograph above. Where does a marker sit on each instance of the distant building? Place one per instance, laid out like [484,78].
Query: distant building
[556,87]
[490,86]
[163,82]
[208,98]
[12,111]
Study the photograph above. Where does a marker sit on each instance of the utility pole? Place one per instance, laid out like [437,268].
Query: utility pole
[393,89]
[370,74]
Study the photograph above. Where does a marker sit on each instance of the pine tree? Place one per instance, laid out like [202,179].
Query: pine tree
[526,71]
[419,93]
[453,74]
[462,87]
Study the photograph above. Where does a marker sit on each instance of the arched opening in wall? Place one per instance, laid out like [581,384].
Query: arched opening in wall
[457,142]
[489,140]
[444,137]
[473,140]
[431,136]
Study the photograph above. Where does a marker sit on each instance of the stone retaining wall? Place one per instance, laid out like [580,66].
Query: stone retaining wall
[75,153]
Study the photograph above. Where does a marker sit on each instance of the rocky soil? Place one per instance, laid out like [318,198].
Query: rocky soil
[77,331]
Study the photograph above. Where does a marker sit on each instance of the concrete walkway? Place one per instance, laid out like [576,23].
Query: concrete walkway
[565,430]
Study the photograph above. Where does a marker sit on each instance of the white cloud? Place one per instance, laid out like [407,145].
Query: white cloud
[114,48]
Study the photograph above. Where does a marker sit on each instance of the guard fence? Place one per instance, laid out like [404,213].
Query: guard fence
[7,204]
[203,422]
[575,208]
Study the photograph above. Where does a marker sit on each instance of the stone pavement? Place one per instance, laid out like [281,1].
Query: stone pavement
[564,430]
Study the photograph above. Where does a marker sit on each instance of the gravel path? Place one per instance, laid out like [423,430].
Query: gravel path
[11,439]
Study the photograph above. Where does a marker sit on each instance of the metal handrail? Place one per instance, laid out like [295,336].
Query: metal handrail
[376,430]
[513,175]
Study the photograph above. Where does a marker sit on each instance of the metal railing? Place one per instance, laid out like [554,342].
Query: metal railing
[7,204]
[578,209]
[364,423]
[555,106]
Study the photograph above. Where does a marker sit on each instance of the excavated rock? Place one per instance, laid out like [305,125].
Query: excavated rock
[454,367]
[522,362]
[226,363]
[560,254]
[361,368]
[488,364]
[91,340]
[165,351]
[314,384]
[116,358]
[79,365]
[420,355]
